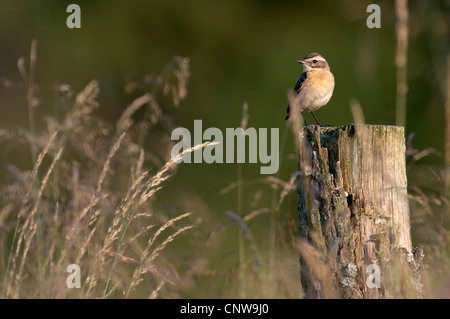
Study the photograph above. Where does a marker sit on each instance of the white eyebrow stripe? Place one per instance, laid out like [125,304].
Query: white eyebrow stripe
[318,58]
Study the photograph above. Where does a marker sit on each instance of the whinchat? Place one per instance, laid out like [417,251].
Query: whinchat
[314,87]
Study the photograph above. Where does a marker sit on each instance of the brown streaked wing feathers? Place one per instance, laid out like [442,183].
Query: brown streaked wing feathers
[297,88]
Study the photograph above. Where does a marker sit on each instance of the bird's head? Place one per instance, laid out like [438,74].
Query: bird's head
[314,61]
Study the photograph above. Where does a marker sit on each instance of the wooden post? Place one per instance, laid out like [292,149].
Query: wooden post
[354,215]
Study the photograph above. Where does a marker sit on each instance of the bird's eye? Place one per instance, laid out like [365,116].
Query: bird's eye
[314,61]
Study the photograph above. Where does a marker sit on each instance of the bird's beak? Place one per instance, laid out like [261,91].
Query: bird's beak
[301,61]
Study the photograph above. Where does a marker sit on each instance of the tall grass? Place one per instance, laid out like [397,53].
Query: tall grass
[267,266]
[401,59]
[89,198]
[69,209]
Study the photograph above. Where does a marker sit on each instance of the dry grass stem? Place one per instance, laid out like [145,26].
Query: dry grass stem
[401,58]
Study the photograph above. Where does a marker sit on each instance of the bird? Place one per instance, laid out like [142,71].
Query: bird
[314,87]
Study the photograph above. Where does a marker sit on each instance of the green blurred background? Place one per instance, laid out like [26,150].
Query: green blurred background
[240,52]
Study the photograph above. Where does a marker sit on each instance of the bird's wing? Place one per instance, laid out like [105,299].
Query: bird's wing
[300,82]
[297,88]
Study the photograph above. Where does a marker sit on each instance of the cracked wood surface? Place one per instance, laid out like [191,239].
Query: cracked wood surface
[353,212]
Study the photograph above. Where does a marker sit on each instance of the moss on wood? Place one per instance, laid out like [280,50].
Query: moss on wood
[353,210]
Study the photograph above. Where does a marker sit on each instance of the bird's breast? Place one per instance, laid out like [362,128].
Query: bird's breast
[317,91]
[321,80]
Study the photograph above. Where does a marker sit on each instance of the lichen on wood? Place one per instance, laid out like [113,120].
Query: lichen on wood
[353,212]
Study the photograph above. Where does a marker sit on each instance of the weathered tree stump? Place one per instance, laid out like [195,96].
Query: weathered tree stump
[354,215]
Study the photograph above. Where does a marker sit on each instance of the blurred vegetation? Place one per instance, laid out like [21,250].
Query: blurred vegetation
[235,52]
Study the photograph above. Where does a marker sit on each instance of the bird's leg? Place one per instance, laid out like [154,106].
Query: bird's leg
[306,124]
[315,118]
